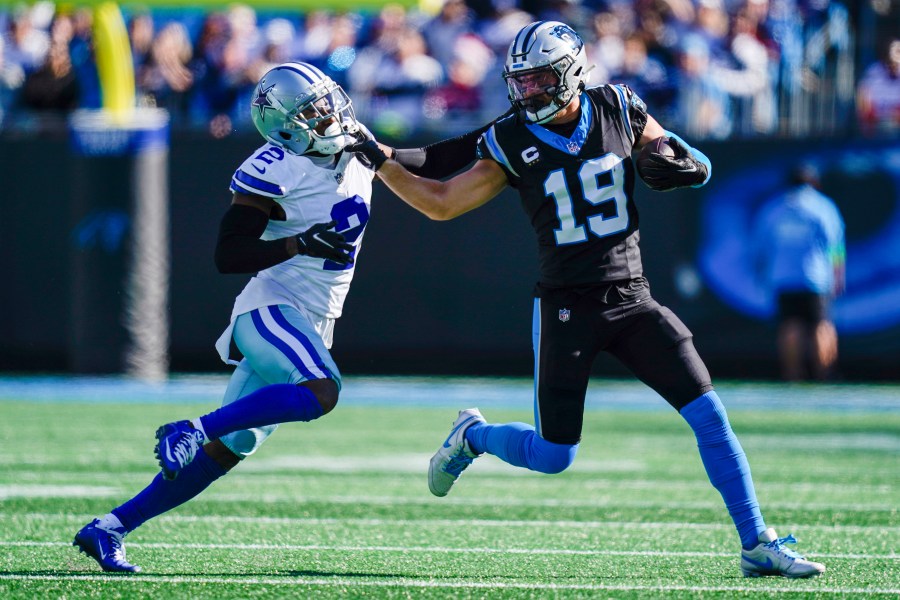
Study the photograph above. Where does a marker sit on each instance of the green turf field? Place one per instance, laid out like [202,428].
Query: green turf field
[341,508]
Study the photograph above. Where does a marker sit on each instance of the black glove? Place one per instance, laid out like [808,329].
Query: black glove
[665,173]
[319,242]
[369,153]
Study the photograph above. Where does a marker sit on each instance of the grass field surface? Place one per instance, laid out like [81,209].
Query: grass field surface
[340,507]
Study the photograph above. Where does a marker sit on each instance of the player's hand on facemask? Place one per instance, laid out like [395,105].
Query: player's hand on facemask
[320,242]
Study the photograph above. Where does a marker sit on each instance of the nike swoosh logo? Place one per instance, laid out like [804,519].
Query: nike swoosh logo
[261,171]
[763,565]
[689,170]
[454,430]
[169,452]
[321,241]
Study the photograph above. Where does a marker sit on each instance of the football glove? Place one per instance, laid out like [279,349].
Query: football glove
[665,173]
[369,153]
[319,242]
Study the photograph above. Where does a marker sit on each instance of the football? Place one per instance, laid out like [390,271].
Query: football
[658,146]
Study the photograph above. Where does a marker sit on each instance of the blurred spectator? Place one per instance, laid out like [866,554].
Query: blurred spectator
[607,51]
[647,76]
[140,34]
[441,33]
[26,45]
[165,79]
[81,51]
[752,54]
[340,52]
[702,109]
[459,99]
[799,245]
[738,62]
[11,78]
[878,95]
[53,87]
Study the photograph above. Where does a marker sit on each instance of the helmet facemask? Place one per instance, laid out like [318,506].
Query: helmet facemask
[327,119]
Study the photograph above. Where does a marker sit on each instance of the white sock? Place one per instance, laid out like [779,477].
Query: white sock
[110,522]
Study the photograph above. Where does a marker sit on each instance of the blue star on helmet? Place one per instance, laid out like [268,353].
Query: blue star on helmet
[262,101]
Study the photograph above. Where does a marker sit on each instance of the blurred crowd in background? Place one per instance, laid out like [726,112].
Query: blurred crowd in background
[712,69]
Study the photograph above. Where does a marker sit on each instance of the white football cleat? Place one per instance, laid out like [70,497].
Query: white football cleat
[454,455]
[771,557]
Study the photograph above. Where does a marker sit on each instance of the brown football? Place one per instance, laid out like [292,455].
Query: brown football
[658,146]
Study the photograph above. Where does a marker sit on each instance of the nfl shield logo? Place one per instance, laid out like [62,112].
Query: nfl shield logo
[573,148]
[564,314]
[339,177]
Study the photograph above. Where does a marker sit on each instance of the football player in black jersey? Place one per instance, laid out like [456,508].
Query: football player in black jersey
[567,149]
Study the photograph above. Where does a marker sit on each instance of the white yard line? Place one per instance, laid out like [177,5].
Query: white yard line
[834,529]
[603,500]
[432,550]
[423,584]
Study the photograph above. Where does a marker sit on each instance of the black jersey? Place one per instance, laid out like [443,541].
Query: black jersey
[577,191]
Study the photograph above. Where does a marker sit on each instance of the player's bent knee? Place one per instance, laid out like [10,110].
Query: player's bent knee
[326,392]
[245,442]
[552,458]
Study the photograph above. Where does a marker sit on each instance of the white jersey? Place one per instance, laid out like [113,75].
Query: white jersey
[309,194]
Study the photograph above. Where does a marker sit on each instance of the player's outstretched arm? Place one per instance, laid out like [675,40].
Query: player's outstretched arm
[668,162]
[239,249]
[440,159]
[438,200]
[445,200]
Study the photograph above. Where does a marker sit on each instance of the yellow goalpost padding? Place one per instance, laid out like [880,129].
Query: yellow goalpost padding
[114,61]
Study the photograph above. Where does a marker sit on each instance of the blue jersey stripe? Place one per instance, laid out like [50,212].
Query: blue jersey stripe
[276,314]
[281,345]
[625,116]
[255,183]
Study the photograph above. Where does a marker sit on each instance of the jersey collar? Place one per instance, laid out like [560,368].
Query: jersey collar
[570,145]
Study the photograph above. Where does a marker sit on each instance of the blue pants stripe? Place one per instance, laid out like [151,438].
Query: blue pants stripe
[300,337]
[281,345]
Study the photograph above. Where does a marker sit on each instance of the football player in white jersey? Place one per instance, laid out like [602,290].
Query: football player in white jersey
[296,220]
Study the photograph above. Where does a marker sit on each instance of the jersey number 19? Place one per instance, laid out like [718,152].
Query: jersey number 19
[602,181]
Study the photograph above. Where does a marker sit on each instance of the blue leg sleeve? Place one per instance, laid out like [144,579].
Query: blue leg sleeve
[519,445]
[163,495]
[276,403]
[726,464]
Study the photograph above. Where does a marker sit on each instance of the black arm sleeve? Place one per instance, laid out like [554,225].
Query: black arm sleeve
[239,249]
[443,159]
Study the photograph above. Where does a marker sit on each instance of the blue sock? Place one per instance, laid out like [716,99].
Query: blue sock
[163,495]
[520,446]
[726,464]
[276,403]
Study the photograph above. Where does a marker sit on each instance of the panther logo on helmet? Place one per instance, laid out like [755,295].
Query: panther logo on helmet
[297,107]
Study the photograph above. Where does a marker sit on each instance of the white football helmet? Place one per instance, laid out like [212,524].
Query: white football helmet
[546,67]
[299,108]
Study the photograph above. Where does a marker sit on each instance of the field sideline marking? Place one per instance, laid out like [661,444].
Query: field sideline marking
[418,583]
[434,549]
[463,522]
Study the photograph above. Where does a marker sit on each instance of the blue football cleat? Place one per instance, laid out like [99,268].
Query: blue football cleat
[454,456]
[772,557]
[177,444]
[105,546]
